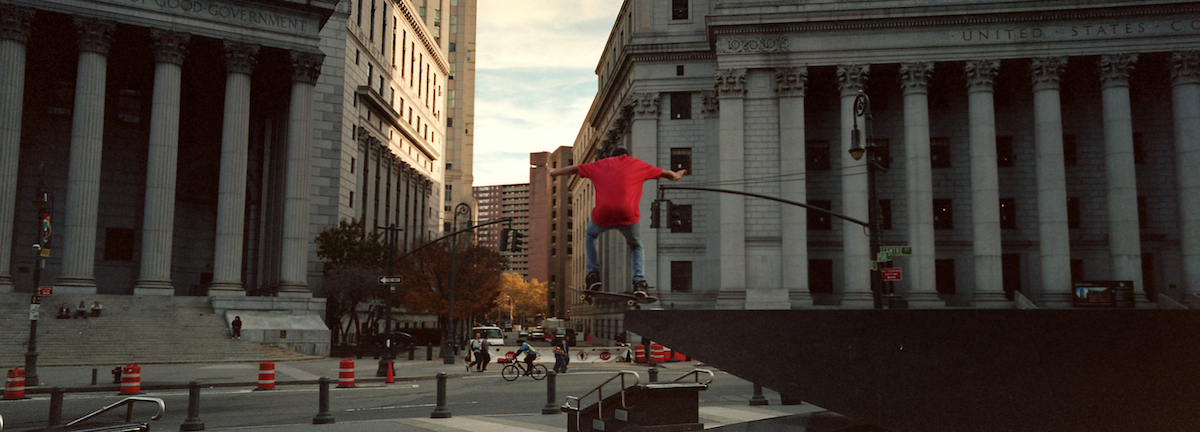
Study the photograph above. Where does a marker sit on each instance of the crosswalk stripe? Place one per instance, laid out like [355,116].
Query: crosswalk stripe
[474,424]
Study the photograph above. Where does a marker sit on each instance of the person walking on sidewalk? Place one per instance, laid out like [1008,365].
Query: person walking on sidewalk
[479,348]
[617,181]
[562,355]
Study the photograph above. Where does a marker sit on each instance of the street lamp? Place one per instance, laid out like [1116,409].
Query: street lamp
[393,237]
[448,351]
[862,107]
[41,249]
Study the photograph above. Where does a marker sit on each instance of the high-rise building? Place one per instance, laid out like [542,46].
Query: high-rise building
[539,216]
[506,201]
[560,245]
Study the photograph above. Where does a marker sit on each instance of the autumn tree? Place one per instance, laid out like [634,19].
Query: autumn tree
[353,260]
[426,285]
[528,297]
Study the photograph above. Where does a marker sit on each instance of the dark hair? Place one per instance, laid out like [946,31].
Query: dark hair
[619,151]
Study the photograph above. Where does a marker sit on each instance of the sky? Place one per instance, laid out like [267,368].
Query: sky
[534,79]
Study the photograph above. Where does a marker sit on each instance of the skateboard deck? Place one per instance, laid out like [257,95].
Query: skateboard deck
[588,296]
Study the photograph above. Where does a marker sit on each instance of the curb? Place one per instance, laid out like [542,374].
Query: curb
[176,386]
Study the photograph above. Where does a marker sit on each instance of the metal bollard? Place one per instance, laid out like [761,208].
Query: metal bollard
[440,411]
[428,352]
[94,376]
[323,416]
[192,423]
[56,398]
[758,398]
[550,407]
[653,374]
[412,352]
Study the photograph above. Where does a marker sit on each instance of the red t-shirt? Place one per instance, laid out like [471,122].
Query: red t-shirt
[618,183]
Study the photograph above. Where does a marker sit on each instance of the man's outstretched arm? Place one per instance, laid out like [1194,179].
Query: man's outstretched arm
[573,169]
[670,175]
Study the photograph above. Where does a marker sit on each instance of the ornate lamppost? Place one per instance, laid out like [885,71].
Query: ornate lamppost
[41,249]
[862,107]
[448,350]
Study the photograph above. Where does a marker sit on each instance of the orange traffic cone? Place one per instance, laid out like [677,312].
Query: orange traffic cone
[390,378]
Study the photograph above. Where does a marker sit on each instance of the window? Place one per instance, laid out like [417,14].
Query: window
[1073,218]
[681,159]
[943,214]
[681,276]
[1010,265]
[679,70]
[939,152]
[451,46]
[449,121]
[883,155]
[1070,151]
[351,199]
[680,218]
[1076,270]
[943,270]
[820,276]
[679,9]
[1004,151]
[1008,213]
[817,220]
[118,244]
[681,105]
[816,155]
[885,214]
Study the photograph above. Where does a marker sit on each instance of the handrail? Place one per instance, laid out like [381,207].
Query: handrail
[696,373]
[599,390]
[162,408]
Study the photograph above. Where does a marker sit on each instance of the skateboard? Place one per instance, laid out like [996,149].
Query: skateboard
[633,301]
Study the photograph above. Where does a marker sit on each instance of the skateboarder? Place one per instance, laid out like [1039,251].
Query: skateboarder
[617,180]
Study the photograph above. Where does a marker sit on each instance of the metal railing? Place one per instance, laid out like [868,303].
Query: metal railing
[129,401]
[599,391]
[696,374]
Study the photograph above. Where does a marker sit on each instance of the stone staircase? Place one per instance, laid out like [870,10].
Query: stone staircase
[133,329]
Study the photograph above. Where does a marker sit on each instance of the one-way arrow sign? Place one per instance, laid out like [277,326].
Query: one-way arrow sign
[390,279]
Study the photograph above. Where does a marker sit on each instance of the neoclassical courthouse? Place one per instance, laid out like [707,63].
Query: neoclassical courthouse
[193,144]
[1027,144]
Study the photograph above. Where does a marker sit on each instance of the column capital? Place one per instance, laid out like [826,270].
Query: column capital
[852,78]
[731,82]
[791,81]
[1185,67]
[712,105]
[240,57]
[15,22]
[1115,69]
[306,66]
[981,74]
[645,105]
[169,46]
[915,76]
[1047,71]
[95,35]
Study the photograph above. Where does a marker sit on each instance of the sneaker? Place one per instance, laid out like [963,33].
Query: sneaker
[640,287]
[593,281]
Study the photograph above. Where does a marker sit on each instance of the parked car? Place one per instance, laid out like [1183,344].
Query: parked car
[492,333]
[523,333]
[537,334]
[568,333]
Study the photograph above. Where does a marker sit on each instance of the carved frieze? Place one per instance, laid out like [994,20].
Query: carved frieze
[169,46]
[731,82]
[712,105]
[852,78]
[306,66]
[791,81]
[240,57]
[981,74]
[915,76]
[95,35]
[1185,67]
[1047,72]
[644,105]
[1115,69]
[757,44]
[15,22]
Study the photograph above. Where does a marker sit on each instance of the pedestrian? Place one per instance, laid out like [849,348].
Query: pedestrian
[562,355]
[617,181]
[97,309]
[479,348]
[235,329]
[530,355]
[81,311]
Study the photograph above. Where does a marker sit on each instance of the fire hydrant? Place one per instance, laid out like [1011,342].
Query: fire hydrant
[116,373]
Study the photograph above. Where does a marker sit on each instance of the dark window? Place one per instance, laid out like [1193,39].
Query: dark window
[681,105]
[451,46]
[885,214]
[681,218]
[820,220]
[943,214]
[1008,213]
[943,270]
[118,244]
[1070,151]
[1143,212]
[449,121]
[1010,265]
[679,70]
[883,154]
[681,276]
[681,158]
[1073,217]
[1139,148]
[1004,151]
[939,152]
[679,9]
[816,155]
[1076,270]
[820,276]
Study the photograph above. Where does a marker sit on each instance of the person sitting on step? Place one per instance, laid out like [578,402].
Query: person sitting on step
[81,311]
[97,309]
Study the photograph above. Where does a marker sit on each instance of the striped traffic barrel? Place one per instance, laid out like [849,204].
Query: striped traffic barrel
[639,353]
[14,384]
[131,379]
[657,353]
[346,373]
[266,376]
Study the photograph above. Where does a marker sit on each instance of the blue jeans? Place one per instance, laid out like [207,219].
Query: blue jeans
[636,256]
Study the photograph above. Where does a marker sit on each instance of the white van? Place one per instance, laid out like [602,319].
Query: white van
[494,336]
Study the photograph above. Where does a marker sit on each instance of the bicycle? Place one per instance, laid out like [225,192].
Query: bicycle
[515,369]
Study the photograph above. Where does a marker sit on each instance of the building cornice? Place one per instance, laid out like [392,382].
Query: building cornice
[419,27]
[376,103]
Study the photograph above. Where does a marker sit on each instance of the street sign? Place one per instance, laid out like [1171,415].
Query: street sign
[891,274]
[373,302]
[896,250]
[33,312]
[390,279]
[46,291]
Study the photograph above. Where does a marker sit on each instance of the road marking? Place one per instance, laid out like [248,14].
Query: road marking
[473,424]
[425,405]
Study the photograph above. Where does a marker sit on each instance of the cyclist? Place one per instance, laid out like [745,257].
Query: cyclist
[530,355]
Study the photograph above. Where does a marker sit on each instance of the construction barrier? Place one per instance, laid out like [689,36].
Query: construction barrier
[14,385]
[131,379]
[679,356]
[266,376]
[599,354]
[657,353]
[346,373]
[639,355]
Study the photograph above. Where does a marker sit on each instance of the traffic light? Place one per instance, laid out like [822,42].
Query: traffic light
[504,233]
[655,218]
[517,241]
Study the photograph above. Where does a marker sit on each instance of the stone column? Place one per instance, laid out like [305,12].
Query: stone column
[922,285]
[306,68]
[856,270]
[985,184]
[15,24]
[87,141]
[231,202]
[1124,235]
[790,85]
[1185,102]
[158,220]
[731,166]
[1053,235]
[644,137]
